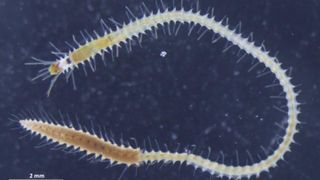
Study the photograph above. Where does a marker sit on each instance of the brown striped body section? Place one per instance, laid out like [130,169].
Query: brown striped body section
[92,144]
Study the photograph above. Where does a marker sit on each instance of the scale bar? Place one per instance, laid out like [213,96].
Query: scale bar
[36,179]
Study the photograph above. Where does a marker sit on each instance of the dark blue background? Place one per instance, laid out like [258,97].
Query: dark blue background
[195,95]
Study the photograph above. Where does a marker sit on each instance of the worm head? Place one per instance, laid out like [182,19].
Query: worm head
[55,69]
[52,69]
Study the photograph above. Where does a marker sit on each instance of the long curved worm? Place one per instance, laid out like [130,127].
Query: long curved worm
[136,156]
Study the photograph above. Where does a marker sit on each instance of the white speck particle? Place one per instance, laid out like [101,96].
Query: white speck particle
[163,53]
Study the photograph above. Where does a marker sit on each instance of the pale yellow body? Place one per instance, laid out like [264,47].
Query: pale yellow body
[140,26]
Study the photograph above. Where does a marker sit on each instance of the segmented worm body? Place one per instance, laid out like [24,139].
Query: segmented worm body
[136,156]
